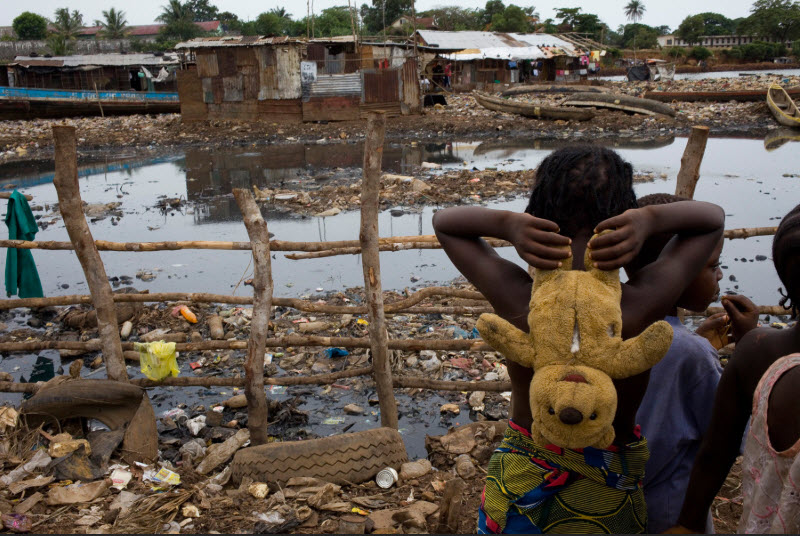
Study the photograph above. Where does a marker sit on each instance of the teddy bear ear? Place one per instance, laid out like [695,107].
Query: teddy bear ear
[607,277]
[542,276]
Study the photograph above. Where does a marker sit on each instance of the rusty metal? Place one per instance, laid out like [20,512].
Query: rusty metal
[381,86]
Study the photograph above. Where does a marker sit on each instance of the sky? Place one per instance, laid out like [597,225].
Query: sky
[657,13]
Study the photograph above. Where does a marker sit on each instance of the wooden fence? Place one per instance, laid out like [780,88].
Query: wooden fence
[369,245]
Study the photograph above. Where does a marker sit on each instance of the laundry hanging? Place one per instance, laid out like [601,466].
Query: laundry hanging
[22,278]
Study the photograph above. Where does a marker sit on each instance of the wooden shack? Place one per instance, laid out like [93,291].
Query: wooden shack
[255,78]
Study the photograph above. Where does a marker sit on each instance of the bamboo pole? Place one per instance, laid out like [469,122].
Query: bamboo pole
[69,203]
[257,416]
[370,260]
[301,305]
[323,249]
[692,157]
[7,195]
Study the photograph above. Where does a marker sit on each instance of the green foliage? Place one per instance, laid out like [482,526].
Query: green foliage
[373,16]
[700,53]
[513,19]
[634,10]
[58,45]
[113,24]
[30,26]
[612,54]
[676,52]
[67,25]
[637,36]
[717,24]
[7,38]
[269,24]
[796,49]
[691,29]
[776,19]
[758,51]
[229,21]
[158,46]
[492,8]
[202,11]
[568,17]
[333,21]
[175,12]
[454,18]
[179,30]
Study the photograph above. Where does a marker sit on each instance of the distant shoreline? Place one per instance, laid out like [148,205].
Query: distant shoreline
[684,69]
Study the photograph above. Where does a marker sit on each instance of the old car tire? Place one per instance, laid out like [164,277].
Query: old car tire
[340,459]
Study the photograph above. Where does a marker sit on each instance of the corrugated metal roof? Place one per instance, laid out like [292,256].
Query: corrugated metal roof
[481,45]
[234,41]
[96,59]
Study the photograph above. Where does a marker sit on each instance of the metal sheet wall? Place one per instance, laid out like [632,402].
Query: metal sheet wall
[336,85]
[411,91]
[381,85]
[206,64]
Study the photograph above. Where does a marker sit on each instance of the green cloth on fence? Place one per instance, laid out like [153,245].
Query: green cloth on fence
[21,275]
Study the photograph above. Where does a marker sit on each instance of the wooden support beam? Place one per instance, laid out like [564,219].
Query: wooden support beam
[692,157]
[7,195]
[69,203]
[371,264]
[259,326]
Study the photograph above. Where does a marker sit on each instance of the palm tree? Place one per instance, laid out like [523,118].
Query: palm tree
[280,12]
[634,10]
[67,25]
[174,12]
[114,25]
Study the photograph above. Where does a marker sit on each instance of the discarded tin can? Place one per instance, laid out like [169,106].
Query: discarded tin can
[386,478]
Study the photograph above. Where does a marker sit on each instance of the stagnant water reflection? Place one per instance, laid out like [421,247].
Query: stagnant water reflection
[756,187]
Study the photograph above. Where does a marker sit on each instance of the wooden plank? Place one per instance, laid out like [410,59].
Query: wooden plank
[692,157]
[331,109]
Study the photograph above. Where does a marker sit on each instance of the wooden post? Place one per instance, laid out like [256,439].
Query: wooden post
[370,261]
[69,203]
[262,306]
[690,162]
[450,506]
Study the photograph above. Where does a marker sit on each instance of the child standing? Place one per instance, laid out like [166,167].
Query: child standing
[758,368]
[676,408]
[578,191]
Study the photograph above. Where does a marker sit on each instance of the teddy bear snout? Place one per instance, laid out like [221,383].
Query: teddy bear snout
[570,416]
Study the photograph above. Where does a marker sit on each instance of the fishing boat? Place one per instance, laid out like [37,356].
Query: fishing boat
[783,107]
[531,110]
[29,103]
[616,101]
[553,88]
[748,95]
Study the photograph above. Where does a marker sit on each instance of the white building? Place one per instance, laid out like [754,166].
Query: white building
[715,41]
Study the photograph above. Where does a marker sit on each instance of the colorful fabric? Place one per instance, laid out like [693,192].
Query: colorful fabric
[534,489]
[770,479]
[22,278]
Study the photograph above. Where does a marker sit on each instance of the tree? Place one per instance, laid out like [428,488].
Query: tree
[373,16]
[454,18]
[777,19]
[202,11]
[269,24]
[174,12]
[492,8]
[30,26]
[663,29]
[513,19]
[636,36]
[280,12]
[113,26]
[58,45]
[67,25]
[229,21]
[717,24]
[691,29]
[634,10]
[333,21]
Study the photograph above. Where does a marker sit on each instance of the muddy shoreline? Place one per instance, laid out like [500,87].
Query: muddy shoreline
[116,137]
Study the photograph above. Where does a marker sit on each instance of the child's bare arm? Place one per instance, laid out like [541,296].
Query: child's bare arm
[655,288]
[459,230]
[723,439]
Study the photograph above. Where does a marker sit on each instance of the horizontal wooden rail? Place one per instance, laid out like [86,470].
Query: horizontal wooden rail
[7,195]
[343,247]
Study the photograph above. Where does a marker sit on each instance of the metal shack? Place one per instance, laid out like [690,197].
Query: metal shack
[138,72]
[253,78]
[479,59]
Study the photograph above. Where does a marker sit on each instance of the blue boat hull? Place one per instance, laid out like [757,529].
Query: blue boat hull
[26,103]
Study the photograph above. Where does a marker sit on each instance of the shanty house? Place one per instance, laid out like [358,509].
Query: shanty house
[138,72]
[255,78]
[479,59]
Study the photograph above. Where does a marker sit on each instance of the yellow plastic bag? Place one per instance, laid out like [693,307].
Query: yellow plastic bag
[157,359]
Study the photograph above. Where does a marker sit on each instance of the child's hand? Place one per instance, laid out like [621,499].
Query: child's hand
[715,328]
[743,314]
[537,241]
[618,248]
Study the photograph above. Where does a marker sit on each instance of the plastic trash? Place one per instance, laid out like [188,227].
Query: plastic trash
[120,478]
[157,359]
[165,476]
[333,420]
[277,389]
[18,523]
[188,314]
[196,424]
[336,352]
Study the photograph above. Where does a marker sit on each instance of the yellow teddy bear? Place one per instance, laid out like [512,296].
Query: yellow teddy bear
[575,348]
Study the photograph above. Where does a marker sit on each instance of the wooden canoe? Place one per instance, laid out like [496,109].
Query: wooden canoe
[783,107]
[777,138]
[755,95]
[553,88]
[531,110]
[616,101]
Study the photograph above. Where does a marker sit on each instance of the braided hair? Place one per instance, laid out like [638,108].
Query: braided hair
[579,186]
[786,256]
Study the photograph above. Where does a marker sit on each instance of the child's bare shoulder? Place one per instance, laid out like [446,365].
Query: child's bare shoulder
[757,350]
